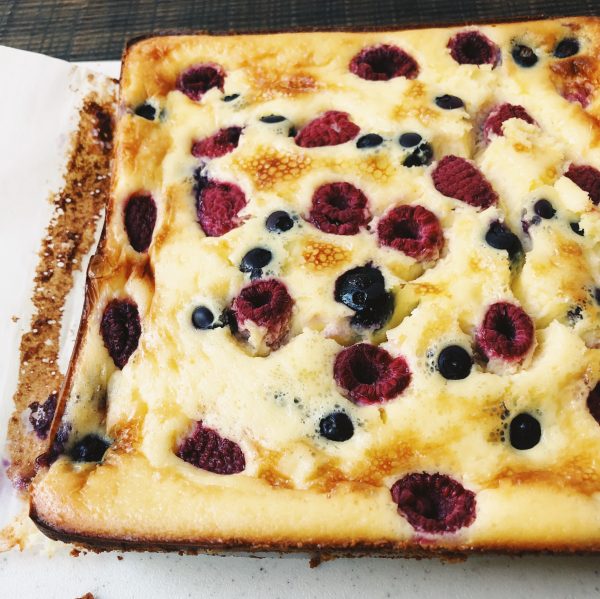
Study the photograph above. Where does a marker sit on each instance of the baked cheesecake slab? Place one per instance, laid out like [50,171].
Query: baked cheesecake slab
[347,298]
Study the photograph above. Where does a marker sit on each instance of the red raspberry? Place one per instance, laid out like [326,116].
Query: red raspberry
[588,178]
[217,207]
[434,503]
[339,208]
[472,47]
[501,113]
[457,178]
[330,129]
[121,329]
[267,303]
[196,80]
[42,414]
[506,332]
[593,403]
[384,62]
[413,230]
[140,218]
[219,144]
[369,374]
[206,449]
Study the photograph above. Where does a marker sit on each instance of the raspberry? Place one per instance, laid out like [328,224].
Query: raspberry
[219,144]
[267,303]
[413,230]
[196,80]
[506,332]
[217,206]
[457,178]
[369,374]
[384,62]
[501,113]
[206,449]
[121,329]
[434,503]
[472,47]
[339,208]
[42,414]
[593,403]
[330,129]
[140,218]
[588,178]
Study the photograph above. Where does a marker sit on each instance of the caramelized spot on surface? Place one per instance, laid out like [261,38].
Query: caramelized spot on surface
[272,83]
[321,256]
[576,78]
[127,437]
[423,114]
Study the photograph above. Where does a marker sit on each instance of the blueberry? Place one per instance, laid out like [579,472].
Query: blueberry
[336,426]
[409,140]
[89,449]
[597,294]
[146,111]
[202,318]
[279,222]
[254,260]
[420,156]
[230,97]
[574,315]
[524,56]
[525,431]
[292,132]
[576,229]
[272,118]
[544,209]
[566,47]
[454,363]
[500,237]
[370,140]
[448,102]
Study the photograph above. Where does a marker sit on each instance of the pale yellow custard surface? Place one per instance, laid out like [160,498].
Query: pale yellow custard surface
[299,489]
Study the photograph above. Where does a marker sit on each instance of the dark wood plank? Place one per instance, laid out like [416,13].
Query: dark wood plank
[98,29]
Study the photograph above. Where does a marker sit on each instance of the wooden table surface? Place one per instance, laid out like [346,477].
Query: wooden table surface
[98,29]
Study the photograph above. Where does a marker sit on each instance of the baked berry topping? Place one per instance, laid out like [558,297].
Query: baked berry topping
[336,426]
[568,46]
[588,178]
[409,140]
[217,206]
[330,129]
[524,56]
[384,62]
[146,111]
[268,304]
[370,140]
[413,230]
[593,402]
[339,208]
[422,155]
[41,415]
[196,80]
[454,363]
[596,293]
[221,143]
[57,448]
[279,222]
[89,449]
[525,431]
[544,209]
[202,318]
[500,237]
[204,448]
[448,102]
[472,47]
[230,97]
[499,114]
[121,329]
[254,260]
[369,374]
[292,132]
[457,178]
[434,503]
[506,332]
[574,315]
[140,218]
[575,227]
[272,118]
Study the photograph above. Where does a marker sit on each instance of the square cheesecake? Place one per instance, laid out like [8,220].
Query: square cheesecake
[346,298]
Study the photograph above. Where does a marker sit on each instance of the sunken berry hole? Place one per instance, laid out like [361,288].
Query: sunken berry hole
[365,372]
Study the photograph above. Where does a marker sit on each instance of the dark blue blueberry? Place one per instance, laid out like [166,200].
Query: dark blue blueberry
[89,449]
[272,118]
[525,431]
[448,102]
[292,132]
[336,426]
[279,222]
[576,229]
[566,47]
[500,237]
[524,56]
[422,155]
[409,140]
[254,261]
[370,140]
[574,315]
[544,209]
[202,318]
[230,97]
[454,363]
[146,111]
[597,295]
